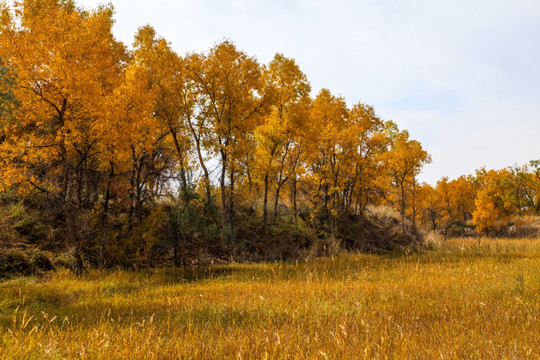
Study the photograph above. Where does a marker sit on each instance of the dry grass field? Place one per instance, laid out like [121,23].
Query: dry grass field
[466,299]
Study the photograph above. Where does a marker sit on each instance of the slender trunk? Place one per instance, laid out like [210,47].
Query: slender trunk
[89,190]
[201,162]
[65,194]
[197,139]
[265,201]
[350,196]
[231,203]
[325,194]
[132,191]
[276,202]
[334,194]
[181,160]
[446,230]
[224,202]
[295,210]
[104,222]
[413,203]
[250,182]
[131,211]
[402,207]
[138,194]
[104,229]
[80,263]
[79,184]
[280,183]
[176,252]
[69,212]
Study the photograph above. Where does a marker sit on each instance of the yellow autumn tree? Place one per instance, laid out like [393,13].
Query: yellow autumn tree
[67,63]
[431,207]
[456,202]
[495,200]
[167,81]
[148,106]
[230,99]
[531,187]
[486,214]
[366,143]
[278,137]
[327,123]
[404,162]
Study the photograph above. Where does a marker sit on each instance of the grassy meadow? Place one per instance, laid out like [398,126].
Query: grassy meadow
[465,299]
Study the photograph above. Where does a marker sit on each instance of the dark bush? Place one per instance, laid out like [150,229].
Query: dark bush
[15,262]
[377,234]
[42,261]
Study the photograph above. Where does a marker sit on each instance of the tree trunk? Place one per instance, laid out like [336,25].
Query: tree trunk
[402,207]
[176,252]
[138,193]
[197,139]
[183,178]
[104,231]
[276,202]
[104,222]
[295,210]
[265,201]
[231,203]
[226,196]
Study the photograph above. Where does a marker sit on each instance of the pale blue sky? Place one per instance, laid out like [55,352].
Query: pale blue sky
[462,76]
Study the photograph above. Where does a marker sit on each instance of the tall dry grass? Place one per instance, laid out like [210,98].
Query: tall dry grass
[477,299]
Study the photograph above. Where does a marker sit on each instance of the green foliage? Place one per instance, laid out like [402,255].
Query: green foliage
[185,217]
[27,224]
[191,224]
[66,260]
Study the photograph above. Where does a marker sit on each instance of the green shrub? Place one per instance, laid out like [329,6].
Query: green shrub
[17,211]
[41,260]
[66,260]
[26,224]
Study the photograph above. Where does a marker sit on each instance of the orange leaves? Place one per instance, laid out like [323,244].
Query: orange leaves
[344,148]
[229,85]
[448,204]
[278,138]
[287,84]
[97,121]
[494,199]
[403,162]
[67,63]
[486,214]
